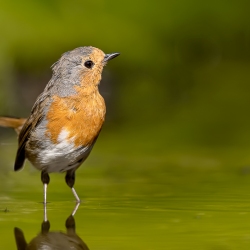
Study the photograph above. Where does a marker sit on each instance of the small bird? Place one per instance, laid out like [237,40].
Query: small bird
[66,118]
[47,239]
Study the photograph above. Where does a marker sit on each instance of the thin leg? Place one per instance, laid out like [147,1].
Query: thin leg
[70,180]
[45,186]
[45,218]
[75,209]
[45,180]
[76,196]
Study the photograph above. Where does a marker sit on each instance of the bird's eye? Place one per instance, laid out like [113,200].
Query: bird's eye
[89,64]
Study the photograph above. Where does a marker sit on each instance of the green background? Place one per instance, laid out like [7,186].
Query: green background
[170,169]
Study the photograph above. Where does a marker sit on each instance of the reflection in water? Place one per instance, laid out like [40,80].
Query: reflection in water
[52,240]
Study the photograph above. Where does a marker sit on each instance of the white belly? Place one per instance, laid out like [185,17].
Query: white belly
[60,157]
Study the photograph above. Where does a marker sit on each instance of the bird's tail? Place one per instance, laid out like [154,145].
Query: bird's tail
[15,123]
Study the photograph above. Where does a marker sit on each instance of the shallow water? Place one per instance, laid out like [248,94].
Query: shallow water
[185,202]
[207,219]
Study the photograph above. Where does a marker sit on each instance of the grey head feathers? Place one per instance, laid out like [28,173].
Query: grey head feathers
[67,71]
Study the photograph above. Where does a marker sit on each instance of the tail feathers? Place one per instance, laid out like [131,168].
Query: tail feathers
[15,123]
[20,239]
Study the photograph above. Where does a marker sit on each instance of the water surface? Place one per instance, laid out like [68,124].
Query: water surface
[178,201]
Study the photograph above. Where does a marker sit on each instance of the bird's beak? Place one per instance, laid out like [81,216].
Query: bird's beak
[108,57]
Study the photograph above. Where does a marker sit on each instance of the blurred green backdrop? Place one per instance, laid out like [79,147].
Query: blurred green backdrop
[182,77]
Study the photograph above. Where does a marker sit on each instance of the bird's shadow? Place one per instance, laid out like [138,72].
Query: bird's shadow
[54,239]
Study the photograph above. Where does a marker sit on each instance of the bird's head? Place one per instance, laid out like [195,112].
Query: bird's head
[82,66]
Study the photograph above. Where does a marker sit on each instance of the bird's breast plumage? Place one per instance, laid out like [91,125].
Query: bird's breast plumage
[81,115]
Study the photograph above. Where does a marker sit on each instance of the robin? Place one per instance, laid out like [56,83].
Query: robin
[66,118]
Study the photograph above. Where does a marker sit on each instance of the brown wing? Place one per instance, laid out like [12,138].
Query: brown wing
[24,135]
[31,123]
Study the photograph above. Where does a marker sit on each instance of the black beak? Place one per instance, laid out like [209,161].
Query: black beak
[110,56]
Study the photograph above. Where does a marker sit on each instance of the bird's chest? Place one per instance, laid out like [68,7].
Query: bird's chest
[81,117]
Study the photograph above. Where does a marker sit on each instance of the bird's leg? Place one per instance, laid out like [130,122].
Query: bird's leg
[45,218]
[71,225]
[45,227]
[75,209]
[70,180]
[45,180]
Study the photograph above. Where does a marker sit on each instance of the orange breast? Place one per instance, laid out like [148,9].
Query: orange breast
[82,116]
